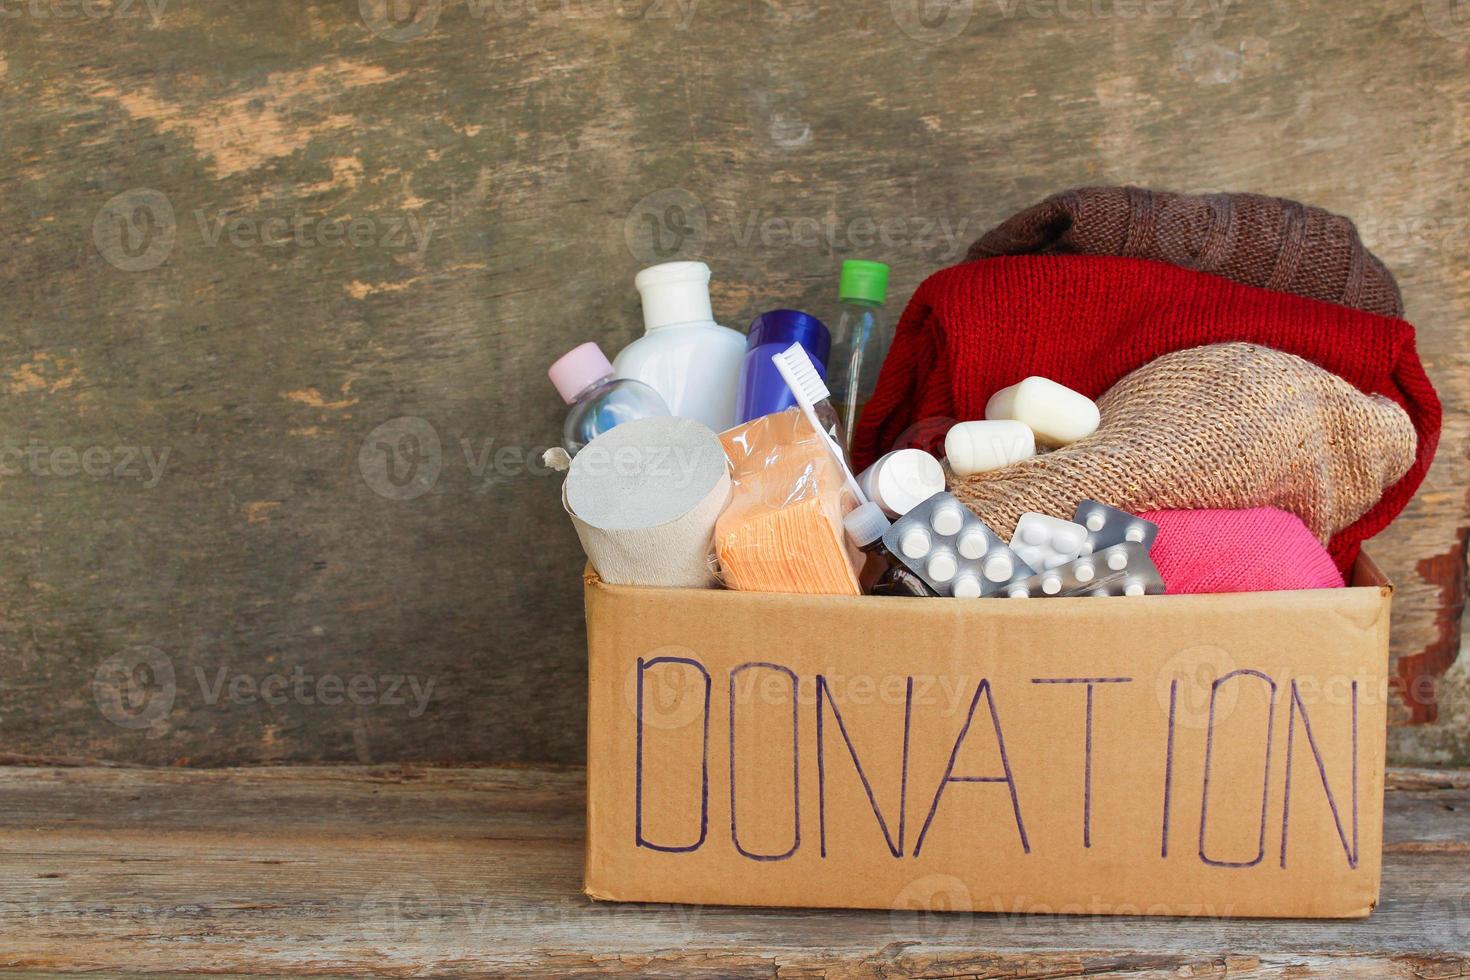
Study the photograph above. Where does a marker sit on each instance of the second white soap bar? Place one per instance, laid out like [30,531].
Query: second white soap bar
[1056,414]
[975,447]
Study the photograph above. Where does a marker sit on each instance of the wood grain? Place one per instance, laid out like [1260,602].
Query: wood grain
[347,427]
[353,871]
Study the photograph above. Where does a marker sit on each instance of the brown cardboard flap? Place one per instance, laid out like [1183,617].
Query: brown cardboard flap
[1367,574]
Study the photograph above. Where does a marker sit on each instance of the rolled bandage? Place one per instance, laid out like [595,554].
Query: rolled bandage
[644,498]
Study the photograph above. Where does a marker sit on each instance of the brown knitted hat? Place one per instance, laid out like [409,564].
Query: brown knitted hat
[1228,426]
[1260,241]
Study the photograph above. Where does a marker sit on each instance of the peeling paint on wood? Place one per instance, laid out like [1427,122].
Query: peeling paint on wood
[1418,672]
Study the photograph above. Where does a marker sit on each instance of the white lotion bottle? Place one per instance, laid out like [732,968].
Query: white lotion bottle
[684,355]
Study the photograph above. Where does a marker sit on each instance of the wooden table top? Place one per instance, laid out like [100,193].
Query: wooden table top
[405,871]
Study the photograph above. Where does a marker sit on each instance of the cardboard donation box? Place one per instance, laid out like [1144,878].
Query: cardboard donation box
[1170,755]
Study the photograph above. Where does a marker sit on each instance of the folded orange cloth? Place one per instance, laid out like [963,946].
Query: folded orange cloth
[782,531]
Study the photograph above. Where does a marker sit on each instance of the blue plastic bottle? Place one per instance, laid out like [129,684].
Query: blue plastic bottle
[762,389]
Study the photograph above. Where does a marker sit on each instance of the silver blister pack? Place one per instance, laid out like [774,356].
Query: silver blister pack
[1123,569]
[1107,526]
[952,550]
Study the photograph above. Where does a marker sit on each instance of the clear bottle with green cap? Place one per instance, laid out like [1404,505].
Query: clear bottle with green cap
[860,341]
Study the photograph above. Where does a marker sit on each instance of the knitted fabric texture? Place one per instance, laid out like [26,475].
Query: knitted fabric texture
[1261,549]
[1260,241]
[1227,426]
[1085,321]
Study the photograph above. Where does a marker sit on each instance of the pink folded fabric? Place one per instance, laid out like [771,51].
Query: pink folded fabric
[1257,550]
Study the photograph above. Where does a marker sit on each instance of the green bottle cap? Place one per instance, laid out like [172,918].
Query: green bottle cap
[862,279]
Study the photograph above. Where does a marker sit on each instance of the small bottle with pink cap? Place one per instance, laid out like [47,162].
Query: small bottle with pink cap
[583,376]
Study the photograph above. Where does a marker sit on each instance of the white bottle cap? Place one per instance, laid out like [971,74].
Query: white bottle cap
[914,543]
[865,524]
[674,293]
[901,480]
[942,566]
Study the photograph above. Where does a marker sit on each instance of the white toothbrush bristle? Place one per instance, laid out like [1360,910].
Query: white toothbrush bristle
[806,385]
[800,374]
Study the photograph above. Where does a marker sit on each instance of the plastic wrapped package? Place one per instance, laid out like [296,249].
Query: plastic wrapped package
[782,530]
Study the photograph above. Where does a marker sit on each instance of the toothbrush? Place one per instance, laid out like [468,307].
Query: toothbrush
[807,385]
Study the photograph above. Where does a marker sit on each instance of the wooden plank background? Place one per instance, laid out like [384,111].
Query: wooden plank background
[407,871]
[283,277]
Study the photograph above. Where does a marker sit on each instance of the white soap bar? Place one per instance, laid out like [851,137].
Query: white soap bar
[1045,542]
[902,480]
[1056,414]
[975,447]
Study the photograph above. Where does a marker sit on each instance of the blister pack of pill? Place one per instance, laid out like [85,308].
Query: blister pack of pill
[1107,526]
[1045,542]
[1122,569]
[952,550]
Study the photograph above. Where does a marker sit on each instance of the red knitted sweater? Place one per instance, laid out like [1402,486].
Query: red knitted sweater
[1087,320]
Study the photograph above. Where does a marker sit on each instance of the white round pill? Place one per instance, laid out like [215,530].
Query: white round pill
[1134,533]
[1096,520]
[914,543]
[1104,593]
[1034,534]
[1051,584]
[1065,541]
[941,567]
[1019,592]
[1118,561]
[1133,588]
[972,543]
[1084,571]
[947,519]
[999,568]
[967,587]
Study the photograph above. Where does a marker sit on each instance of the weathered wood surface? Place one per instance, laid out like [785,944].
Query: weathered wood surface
[447,872]
[348,410]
